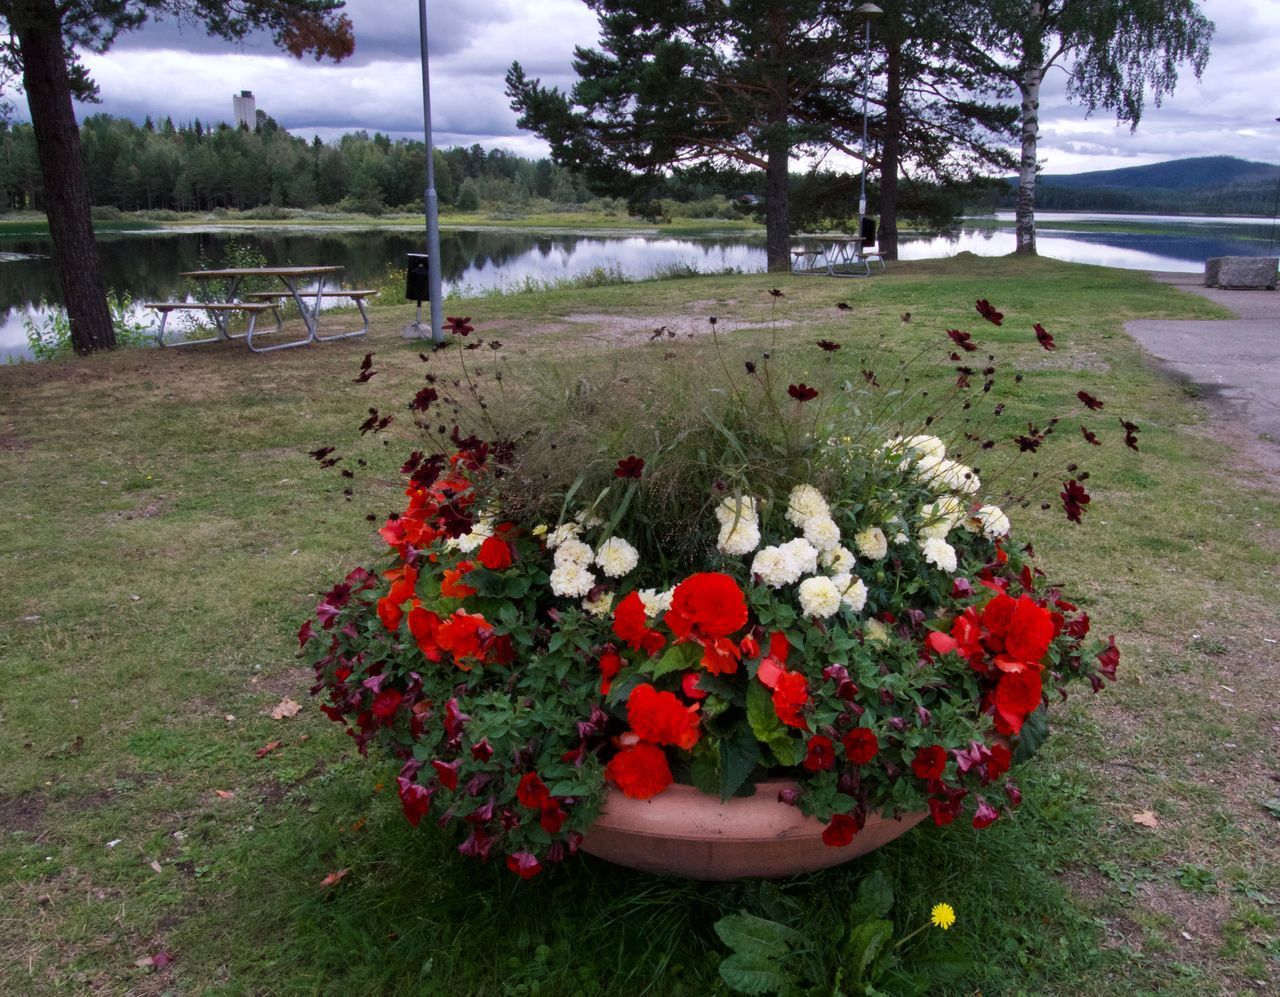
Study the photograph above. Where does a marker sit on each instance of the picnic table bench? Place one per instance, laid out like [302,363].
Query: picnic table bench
[217,308]
[357,295]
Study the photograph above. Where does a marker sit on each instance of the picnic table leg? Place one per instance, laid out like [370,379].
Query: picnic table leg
[307,320]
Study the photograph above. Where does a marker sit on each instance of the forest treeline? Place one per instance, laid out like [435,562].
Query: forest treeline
[193,167]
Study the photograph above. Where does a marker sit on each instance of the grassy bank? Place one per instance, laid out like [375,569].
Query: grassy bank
[166,532]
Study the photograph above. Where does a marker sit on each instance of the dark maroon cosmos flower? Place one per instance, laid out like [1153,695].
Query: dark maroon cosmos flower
[366,370]
[827,345]
[963,340]
[843,306]
[1091,437]
[802,392]
[1043,337]
[1074,499]
[774,292]
[460,326]
[1130,434]
[1090,402]
[988,312]
[629,467]
[423,399]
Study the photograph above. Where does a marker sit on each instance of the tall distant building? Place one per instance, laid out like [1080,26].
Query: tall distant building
[245,109]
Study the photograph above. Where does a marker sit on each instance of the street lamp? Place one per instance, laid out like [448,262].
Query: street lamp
[867,11]
[432,205]
[1275,212]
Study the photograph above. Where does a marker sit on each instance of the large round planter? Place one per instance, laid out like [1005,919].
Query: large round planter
[684,832]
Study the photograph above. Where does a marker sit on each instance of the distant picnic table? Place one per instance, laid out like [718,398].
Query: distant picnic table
[296,284]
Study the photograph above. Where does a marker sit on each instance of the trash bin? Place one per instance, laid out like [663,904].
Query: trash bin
[417,278]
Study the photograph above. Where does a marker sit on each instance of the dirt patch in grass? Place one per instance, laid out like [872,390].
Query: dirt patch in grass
[24,812]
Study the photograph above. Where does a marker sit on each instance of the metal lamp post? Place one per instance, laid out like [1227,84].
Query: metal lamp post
[1275,212]
[433,209]
[867,11]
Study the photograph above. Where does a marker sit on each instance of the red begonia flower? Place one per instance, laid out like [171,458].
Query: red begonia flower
[640,772]
[495,554]
[708,604]
[790,695]
[660,717]
[631,626]
[610,664]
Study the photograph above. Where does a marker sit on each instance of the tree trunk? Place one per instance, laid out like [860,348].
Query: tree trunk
[38,28]
[777,174]
[1029,89]
[1025,205]
[890,147]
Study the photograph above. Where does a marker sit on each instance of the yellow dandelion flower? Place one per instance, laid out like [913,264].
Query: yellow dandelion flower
[943,916]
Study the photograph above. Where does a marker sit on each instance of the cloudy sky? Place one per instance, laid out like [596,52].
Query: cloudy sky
[164,70]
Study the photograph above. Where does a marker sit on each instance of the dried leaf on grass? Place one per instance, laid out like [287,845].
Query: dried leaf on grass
[1146,818]
[334,877]
[227,794]
[267,748]
[285,708]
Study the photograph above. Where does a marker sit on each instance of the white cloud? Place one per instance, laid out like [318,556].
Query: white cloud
[182,74]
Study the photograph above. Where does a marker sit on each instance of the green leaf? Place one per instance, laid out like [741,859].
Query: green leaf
[738,756]
[761,715]
[750,935]
[864,945]
[875,898]
[787,750]
[753,974]
[705,770]
[678,658]
[1035,731]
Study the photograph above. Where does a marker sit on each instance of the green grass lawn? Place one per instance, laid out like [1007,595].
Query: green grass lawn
[166,533]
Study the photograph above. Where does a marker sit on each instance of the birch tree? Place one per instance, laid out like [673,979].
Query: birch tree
[1116,54]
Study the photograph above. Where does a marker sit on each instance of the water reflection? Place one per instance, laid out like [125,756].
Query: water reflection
[147,264]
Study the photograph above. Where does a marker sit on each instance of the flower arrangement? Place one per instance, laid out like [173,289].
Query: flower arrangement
[769,581]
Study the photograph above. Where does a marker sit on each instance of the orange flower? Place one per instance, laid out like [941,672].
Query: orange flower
[464,636]
[404,582]
[640,772]
[660,717]
[423,624]
[451,585]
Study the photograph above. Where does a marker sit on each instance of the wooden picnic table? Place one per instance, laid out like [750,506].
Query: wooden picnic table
[290,277]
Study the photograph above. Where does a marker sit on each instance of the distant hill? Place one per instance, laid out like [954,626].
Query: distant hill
[1205,184]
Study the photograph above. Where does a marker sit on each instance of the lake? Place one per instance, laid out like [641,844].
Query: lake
[146,264]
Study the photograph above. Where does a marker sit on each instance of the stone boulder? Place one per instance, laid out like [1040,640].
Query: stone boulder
[1242,272]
